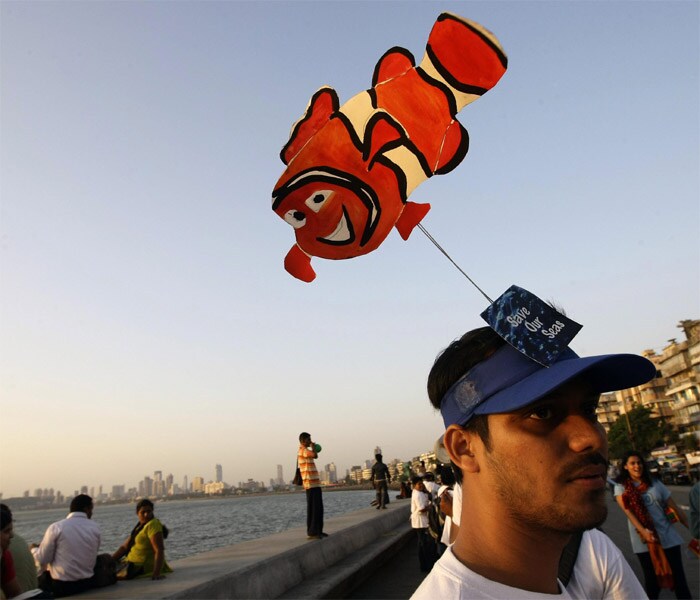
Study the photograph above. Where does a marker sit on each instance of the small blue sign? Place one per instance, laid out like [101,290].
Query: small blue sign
[530,325]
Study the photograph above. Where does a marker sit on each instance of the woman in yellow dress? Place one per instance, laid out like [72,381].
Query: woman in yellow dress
[144,548]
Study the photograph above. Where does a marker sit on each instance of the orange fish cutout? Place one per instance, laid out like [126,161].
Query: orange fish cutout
[351,168]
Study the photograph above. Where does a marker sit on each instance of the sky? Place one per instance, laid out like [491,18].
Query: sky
[146,320]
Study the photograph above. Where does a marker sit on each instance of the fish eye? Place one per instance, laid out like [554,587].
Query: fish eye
[316,200]
[295,218]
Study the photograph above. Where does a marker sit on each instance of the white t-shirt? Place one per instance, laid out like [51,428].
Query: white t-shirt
[450,579]
[419,501]
[457,504]
[447,527]
[600,573]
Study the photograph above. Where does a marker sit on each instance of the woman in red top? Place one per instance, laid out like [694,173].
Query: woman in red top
[8,578]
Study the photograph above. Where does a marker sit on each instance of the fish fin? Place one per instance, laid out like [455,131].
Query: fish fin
[393,63]
[382,132]
[411,215]
[455,145]
[298,264]
[467,55]
[321,106]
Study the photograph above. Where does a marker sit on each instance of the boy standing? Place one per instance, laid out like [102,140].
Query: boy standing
[419,522]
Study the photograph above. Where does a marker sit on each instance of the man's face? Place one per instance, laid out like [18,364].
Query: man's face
[548,461]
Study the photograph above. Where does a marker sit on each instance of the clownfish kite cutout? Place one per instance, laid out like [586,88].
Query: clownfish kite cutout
[351,168]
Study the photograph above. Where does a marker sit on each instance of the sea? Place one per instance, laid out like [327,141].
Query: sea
[200,525]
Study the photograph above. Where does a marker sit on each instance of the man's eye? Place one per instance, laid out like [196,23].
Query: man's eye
[542,412]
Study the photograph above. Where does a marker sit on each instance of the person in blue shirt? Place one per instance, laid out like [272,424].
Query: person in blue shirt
[654,540]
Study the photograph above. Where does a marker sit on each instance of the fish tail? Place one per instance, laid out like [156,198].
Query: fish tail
[465,56]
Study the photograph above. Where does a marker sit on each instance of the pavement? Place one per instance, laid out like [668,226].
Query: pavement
[400,576]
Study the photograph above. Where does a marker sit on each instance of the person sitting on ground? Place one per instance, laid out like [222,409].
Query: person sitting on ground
[25,568]
[68,551]
[144,548]
[8,577]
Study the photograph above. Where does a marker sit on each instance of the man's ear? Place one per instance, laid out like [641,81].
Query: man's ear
[459,445]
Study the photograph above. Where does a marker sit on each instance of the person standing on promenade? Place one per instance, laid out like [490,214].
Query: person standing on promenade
[68,552]
[380,480]
[654,540]
[532,457]
[419,523]
[314,501]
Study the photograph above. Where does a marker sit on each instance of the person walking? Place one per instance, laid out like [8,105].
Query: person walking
[645,501]
[314,501]
[380,480]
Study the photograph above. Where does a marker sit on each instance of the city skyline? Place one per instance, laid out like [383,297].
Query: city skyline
[108,488]
[146,317]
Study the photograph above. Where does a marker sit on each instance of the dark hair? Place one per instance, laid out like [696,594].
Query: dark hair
[378,457]
[624,473]
[304,436]
[81,503]
[149,504]
[416,479]
[429,475]
[144,502]
[452,363]
[447,475]
[5,516]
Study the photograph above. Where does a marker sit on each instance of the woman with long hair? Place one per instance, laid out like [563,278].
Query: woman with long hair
[656,543]
[144,548]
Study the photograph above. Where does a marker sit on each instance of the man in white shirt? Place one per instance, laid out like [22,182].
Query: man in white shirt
[419,522]
[68,551]
[532,458]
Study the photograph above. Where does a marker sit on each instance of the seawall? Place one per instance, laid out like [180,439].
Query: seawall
[284,565]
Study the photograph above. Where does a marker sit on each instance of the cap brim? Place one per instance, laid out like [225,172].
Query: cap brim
[604,373]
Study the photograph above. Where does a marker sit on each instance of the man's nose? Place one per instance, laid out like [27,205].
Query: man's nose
[586,435]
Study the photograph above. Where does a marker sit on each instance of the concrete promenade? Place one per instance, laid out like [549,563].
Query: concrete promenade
[400,576]
[369,554]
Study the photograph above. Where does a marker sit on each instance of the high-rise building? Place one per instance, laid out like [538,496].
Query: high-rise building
[146,487]
[185,484]
[157,475]
[280,476]
[219,473]
[377,450]
[198,484]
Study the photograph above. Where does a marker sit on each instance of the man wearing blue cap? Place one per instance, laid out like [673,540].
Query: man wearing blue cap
[526,444]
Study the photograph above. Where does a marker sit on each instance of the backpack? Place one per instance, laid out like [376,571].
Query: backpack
[105,571]
[436,520]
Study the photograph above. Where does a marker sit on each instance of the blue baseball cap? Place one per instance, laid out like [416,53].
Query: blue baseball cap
[508,380]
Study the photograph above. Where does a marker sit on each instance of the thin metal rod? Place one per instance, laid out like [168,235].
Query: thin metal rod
[439,247]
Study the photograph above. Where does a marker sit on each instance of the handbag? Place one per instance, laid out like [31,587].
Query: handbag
[297,476]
